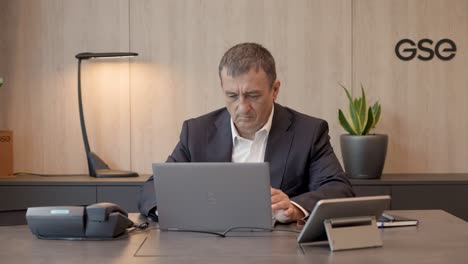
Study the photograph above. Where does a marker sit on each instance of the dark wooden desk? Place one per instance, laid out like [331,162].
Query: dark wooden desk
[440,238]
[448,192]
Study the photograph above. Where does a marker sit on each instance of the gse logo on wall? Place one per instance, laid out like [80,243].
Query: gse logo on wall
[4,139]
[444,49]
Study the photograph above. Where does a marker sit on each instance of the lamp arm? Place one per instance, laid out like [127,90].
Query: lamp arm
[92,171]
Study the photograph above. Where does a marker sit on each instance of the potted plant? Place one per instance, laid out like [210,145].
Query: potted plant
[363,153]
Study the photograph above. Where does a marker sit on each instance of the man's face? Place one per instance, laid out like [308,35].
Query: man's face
[249,99]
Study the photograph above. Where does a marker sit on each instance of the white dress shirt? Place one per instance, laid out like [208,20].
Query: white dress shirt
[246,150]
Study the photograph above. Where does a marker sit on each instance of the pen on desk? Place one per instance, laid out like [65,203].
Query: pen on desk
[389,217]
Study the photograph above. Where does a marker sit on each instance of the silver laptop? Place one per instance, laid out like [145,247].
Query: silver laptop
[212,196]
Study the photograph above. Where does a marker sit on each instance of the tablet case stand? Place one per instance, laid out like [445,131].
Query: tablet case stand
[352,233]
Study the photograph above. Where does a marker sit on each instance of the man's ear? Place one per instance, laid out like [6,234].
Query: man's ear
[276,86]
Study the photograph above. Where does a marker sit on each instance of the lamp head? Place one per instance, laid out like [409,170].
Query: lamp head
[92,55]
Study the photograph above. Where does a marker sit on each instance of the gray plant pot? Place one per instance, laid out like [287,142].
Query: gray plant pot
[364,156]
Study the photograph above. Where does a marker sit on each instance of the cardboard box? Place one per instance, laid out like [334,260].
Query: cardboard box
[6,154]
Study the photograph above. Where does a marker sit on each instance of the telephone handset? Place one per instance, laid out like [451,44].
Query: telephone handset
[97,221]
[106,220]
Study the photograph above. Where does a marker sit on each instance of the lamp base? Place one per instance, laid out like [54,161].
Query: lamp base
[108,173]
[102,170]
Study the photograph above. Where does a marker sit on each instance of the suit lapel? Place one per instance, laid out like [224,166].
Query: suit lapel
[278,145]
[219,139]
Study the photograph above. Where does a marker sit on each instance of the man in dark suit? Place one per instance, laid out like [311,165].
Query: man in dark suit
[253,128]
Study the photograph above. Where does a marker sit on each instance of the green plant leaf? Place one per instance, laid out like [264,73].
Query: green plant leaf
[347,94]
[370,122]
[344,123]
[361,117]
[376,111]
[357,108]
[1,81]
[363,108]
[357,103]
[355,118]
[352,111]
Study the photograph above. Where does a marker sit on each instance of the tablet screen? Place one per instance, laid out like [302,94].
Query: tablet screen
[314,229]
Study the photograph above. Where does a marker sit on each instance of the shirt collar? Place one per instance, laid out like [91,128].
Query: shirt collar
[266,127]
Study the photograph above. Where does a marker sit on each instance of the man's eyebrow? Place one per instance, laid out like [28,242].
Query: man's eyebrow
[252,92]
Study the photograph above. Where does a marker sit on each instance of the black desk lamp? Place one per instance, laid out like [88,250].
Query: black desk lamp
[97,167]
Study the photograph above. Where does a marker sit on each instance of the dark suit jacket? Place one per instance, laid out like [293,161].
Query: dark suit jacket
[302,162]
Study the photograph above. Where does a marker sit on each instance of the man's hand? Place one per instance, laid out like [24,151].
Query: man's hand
[280,201]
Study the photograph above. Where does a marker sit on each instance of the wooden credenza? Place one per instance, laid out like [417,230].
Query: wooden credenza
[21,192]
[448,192]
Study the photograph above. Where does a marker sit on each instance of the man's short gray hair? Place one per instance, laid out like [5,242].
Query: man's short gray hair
[242,57]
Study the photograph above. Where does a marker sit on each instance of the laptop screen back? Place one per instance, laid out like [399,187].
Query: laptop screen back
[212,196]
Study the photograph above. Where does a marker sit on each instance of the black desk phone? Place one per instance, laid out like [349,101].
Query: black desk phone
[97,221]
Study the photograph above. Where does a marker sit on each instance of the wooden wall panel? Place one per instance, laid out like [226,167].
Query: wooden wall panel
[40,100]
[424,102]
[4,25]
[181,43]
[134,108]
